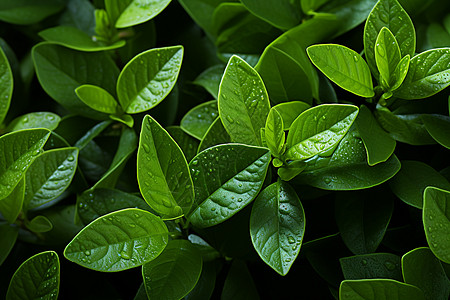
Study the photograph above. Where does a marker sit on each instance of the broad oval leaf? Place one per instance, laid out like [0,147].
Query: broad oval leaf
[36,278]
[174,273]
[24,146]
[371,266]
[162,171]
[6,85]
[39,224]
[197,121]
[277,226]
[436,216]
[428,74]
[387,55]
[11,205]
[133,12]
[8,237]
[283,14]
[25,12]
[49,176]
[319,129]
[243,102]
[118,241]
[368,289]
[42,119]
[274,133]
[438,127]
[289,111]
[215,135]
[226,179]
[344,67]
[148,78]
[97,98]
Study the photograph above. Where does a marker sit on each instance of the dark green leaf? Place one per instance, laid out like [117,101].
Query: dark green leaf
[24,12]
[438,127]
[210,79]
[197,121]
[6,84]
[371,266]
[11,205]
[35,120]
[215,135]
[205,285]
[239,284]
[39,224]
[378,289]
[283,14]
[187,143]
[8,237]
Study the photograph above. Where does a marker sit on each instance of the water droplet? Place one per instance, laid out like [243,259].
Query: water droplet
[430,228]
[390,266]
[195,162]
[287,260]
[240,185]
[430,217]
[213,208]
[25,120]
[380,50]
[291,240]
[70,158]
[364,262]
[355,58]
[327,180]
[132,225]
[146,147]
[125,255]
[230,119]
[87,252]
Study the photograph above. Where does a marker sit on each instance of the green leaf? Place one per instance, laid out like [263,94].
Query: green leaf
[148,78]
[274,133]
[410,182]
[239,284]
[97,98]
[378,289]
[289,111]
[8,237]
[399,74]
[226,179]
[124,119]
[362,218]
[205,285]
[277,226]
[344,67]
[6,84]
[23,146]
[215,135]
[25,12]
[371,266]
[294,168]
[309,6]
[80,14]
[422,269]
[437,36]
[60,71]
[118,241]
[36,278]
[389,14]
[49,176]
[174,273]
[387,56]
[43,119]
[187,143]
[210,79]
[438,127]
[243,102]
[283,14]
[197,121]
[74,38]
[11,205]
[201,11]
[347,168]
[39,224]
[133,12]
[162,171]
[436,216]
[428,74]
[319,129]
[379,145]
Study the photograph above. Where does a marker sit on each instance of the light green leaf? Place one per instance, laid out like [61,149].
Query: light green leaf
[239,284]
[39,224]
[210,79]
[97,98]
[243,102]
[226,179]
[277,226]
[283,14]
[372,266]
[378,289]
[6,84]
[197,121]
[36,278]
[187,143]
[23,146]
[127,13]
[43,119]
[344,67]
[274,133]
[379,145]
[11,205]
[25,12]
[400,72]
[289,111]
[387,56]
[174,273]
[319,129]
[436,216]
[148,78]
[215,135]
[438,127]
[49,176]
[422,269]
[124,119]
[74,38]
[428,74]
[8,237]
[389,14]
[162,171]
[294,168]
[118,241]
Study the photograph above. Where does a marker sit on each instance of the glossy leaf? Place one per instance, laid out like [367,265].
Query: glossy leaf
[371,266]
[226,179]
[174,273]
[97,98]
[49,176]
[436,216]
[239,284]
[197,121]
[289,111]
[118,241]
[378,289]
[35,120]
[389,14]
[319,129]
[215,135]
[36,278]
[411,181]
[291,170]
[24,146]
[205,284]
[422,269]
[243,102]
[6,84]
[344,67]
[210,79]
[438,127]
[39,224]
[282,14]
[277,226]
[387,55]
[400,72]
[11,205]
[148,78]
[134,12]
[24,12]
[274,133]
[8,237]
[187,143]
[379,145]
[162,172]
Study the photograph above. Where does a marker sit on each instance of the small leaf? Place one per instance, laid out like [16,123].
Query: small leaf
[43,119]
[368,289]
[11,205]
[174,273]
[124,119]
[399,74]
[243,102]
[6,84]
[36,278]
[289,111]
[118,241]
[162,172]
[97,98]
[436,216]
[197,121]
[387,55]
[274,133]
[371,266]
[133,12]
[227,185]
[39,224]
[294,168]
[215,135]
[438,127]
[239,284]
[148,78]
[8,237]
[277,226]
[344,67]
